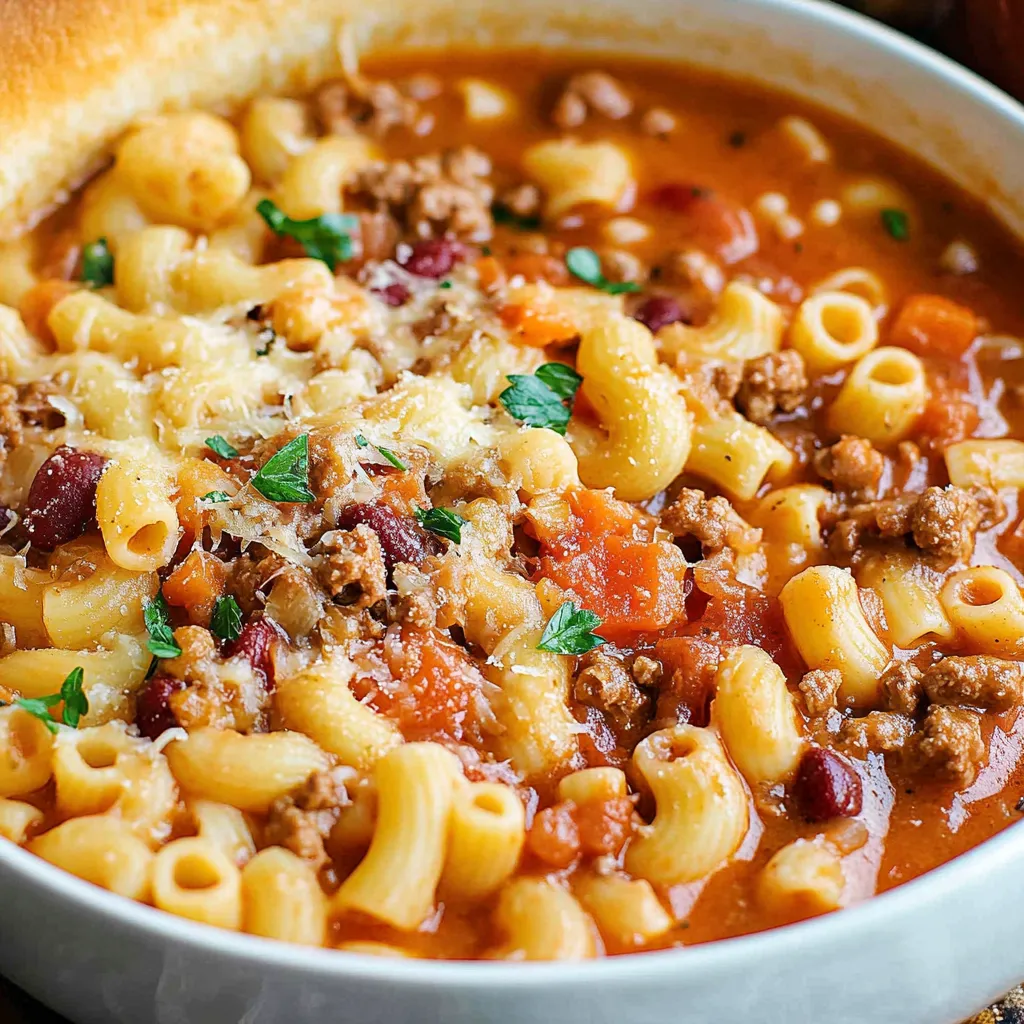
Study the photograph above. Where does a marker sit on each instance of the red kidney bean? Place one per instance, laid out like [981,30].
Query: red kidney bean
[393,294]
[399,539]
[153,714]
[61,503]
[826,786]
[256,644]
[659,311]
[677,196]
[434,257]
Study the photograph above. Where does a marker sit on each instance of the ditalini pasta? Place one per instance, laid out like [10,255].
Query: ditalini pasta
[497,507]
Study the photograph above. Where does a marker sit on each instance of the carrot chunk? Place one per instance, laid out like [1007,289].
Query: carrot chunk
[196,584]
[933,325]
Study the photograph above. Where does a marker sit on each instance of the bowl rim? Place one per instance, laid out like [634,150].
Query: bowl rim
[940,883]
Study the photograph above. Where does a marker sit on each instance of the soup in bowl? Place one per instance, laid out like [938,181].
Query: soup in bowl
[503,504]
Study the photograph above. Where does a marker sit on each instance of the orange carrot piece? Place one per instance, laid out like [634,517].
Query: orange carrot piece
[536,327]
[196,584]
[196,478]
[490,273]
[933,325]
[38,302]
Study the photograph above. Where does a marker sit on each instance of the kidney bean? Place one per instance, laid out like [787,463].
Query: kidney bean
[399,539]
[434,257]
[826,786]
[153,714]
[256,644]
[659,311]
[393,294]
[677,196]
[61,503]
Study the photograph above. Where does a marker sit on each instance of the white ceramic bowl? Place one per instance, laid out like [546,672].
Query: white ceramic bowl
[929,953]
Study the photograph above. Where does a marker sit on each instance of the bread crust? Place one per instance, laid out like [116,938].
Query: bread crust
[75,73]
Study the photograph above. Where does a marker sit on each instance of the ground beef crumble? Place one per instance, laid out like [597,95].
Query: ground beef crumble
[880,732]
[948,745]
[301,821]
[980,681]
[352,568]
[357,104]
[820,689]
[942,522]
[901,687]
[591,92]
[605,682]
[852,464]
[772,383]
[432,196]
[712,521]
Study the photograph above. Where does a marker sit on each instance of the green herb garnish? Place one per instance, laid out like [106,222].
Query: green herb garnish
[285,476]
[503,215]
[562,379]
[327,238]
[386,453]
[220,447]
[226,621]
[570,631]
[157,617]
[216,496]
[586,265]
[897,223]
[98,264]
[540,400]
[76,704]
[441,521]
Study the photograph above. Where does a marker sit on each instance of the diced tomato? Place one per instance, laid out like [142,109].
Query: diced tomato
[949,416]
[934,326]
[604,825]
[689,665]
[608,560]
[554,836]
[432,688]
[710,221]
[565,831]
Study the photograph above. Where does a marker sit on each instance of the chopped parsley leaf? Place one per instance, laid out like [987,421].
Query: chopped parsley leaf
[442,521]
[897,224]
[98,264]
[503,215]
[570,631]
[327,238]
[285,475]
[157,617]
[586,265]
[76,704]
[226,621]
[540,400]
[220,447]
[216,496]
[386,453]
